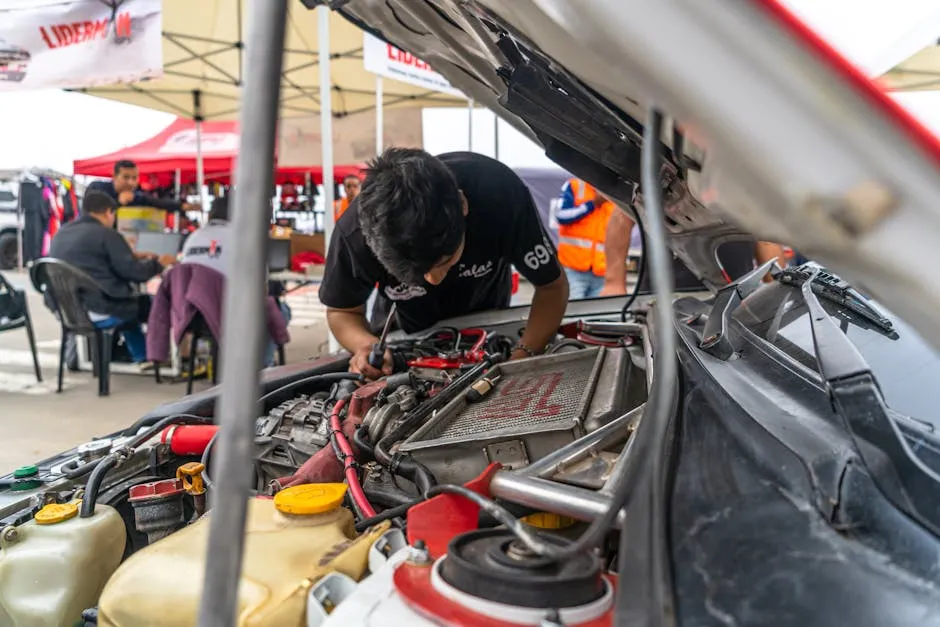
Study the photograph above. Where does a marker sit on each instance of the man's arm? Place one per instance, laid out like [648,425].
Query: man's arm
[536,259]
[143,200]
[545,315]
[125,264]
[616,247]
[344,291]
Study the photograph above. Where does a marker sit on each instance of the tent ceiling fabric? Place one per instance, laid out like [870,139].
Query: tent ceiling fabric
[920,72]
[202,52]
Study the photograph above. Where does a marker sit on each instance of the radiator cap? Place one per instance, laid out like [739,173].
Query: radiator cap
[311,498]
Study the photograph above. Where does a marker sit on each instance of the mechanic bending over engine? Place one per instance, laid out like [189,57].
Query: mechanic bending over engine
[438,236]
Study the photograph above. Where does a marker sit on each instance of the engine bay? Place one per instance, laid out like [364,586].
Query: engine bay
[460,464]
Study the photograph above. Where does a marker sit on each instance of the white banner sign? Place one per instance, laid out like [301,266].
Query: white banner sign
[386,60]
[78,43]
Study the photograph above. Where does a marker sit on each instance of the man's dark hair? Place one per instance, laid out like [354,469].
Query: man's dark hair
[122,164]
[96,202]
[219,208]
[351,176]
[410,212]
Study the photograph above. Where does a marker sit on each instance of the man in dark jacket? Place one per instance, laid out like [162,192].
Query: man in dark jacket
[93,246]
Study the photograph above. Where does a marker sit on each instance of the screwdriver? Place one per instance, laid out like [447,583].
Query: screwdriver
[377,356]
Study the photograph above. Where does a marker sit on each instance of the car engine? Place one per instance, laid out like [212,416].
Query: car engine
[412,487]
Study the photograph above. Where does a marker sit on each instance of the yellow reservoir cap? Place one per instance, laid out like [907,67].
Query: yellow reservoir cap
[55,513]
[311,498]
[548,520]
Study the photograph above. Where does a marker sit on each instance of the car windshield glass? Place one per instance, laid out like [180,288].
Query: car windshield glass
[906,367]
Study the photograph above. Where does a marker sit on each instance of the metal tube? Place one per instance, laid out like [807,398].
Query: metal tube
[647,354]
[200,167]
[379,116]
[20,223]
[244,313]
[549,496]
[582,447]
[495,136]
[326,135]
[177,186]
[470,125]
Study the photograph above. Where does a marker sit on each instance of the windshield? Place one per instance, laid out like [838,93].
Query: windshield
[906,367]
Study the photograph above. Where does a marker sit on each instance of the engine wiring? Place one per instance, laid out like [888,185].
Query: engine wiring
[641,268]
[345,454]
[653,429]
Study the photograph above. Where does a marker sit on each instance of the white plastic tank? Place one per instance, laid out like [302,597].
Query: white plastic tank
[56,565]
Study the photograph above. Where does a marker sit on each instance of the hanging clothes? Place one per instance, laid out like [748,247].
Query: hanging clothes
[50,198]
[35,218]
[69,202]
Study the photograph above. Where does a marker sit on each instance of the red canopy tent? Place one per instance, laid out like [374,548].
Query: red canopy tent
[174,148]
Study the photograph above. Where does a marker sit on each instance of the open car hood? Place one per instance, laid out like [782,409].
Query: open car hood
[770,132]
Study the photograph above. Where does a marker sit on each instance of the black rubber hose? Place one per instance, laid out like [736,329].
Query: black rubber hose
[361,441]
[388,514]
[328,377]
[415,472]
[641,270]
[387,496]
[90,498]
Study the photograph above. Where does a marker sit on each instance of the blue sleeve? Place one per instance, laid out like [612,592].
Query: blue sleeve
[568,213]
[143,200]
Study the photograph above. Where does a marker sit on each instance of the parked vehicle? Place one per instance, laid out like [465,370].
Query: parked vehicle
[14,61]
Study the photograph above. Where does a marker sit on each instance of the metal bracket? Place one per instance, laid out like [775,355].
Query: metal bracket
[715,335]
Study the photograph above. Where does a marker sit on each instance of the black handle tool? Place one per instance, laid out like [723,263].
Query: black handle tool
[377,356]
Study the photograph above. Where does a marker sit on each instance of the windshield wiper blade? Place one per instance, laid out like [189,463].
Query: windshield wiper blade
[853,389]
[828,286]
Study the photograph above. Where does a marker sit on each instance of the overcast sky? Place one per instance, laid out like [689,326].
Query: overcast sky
[52,128]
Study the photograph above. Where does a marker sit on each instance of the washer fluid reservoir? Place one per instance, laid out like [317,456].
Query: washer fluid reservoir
[290,542]
[54,566]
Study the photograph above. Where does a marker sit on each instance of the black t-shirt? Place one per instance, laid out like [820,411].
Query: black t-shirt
[502,229]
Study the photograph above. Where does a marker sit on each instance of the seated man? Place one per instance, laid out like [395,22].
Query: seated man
[438,236]
[92,245]
[207,246]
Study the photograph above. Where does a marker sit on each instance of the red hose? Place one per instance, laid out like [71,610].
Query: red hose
[349,462]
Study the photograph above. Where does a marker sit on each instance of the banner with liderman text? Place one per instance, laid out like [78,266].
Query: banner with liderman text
[78,43]
[388,61]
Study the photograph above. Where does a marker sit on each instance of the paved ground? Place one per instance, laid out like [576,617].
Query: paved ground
[35,422]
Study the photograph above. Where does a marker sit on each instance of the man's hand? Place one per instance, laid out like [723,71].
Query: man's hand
[167,260]
[144,255]
[360,363]
[125,198]
[190,206]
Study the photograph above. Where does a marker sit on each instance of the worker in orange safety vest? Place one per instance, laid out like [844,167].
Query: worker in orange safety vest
[585,217]
[351,184]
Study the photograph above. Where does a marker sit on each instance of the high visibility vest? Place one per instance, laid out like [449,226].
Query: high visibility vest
[581,244]
[339,208]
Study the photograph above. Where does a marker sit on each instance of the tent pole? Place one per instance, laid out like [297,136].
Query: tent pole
[200,172]
[243,313]
[326,133]
[470,125]
[495,136]
[177,186]
[379,116]
[20,219]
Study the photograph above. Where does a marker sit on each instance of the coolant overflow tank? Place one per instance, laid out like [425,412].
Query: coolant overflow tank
[55,566]
[290,541]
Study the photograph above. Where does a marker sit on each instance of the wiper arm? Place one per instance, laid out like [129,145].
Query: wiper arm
[828,286]
[715,334]
[901,476]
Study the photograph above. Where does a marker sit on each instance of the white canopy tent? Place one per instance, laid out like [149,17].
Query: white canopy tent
[203,50]
[919,72]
